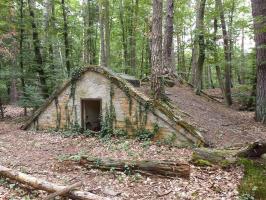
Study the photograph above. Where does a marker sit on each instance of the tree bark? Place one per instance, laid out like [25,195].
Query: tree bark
[259,15]
[21,40]
[102,36]
[215,55]
[157,85]
[2,114]
[227,54]
[198,60]
[66,39]
[243,59]
[64,191]
[168,65]
[40,184]
[37,52]
[149,167]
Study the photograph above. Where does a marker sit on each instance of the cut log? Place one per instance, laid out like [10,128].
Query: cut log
[162,168]
[226,157]
[45,185]
[254,150]
[64,191]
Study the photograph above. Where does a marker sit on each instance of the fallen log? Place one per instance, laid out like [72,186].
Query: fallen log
[162,168]
[64,191]
[45,185]
[253,150]
[226,157]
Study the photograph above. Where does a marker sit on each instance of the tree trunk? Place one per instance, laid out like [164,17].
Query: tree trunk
[2,114]
[149,167]
[133,58]
[157,86]
[227,54]
[40,184]
[259,15]
[66,39]
[197,64]
[102,36]
[231,38]
[243,60]
[168,64]
[37,52]
[124,41]
[90,35]
[21,40]
[215,55]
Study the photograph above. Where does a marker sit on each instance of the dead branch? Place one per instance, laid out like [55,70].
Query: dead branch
[45,185]
[164,168]
[64,191]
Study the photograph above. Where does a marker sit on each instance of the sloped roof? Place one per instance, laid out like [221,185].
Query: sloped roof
[132,91]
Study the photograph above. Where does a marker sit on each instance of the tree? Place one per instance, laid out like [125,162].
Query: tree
[37,52]
[168,65]
[157,86]
[259,15]
[66,39]
[227,54]
[104,32]
[199,45]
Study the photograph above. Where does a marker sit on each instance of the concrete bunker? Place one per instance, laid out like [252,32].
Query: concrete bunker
[96,96]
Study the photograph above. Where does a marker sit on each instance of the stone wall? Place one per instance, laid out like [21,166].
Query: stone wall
[130,113]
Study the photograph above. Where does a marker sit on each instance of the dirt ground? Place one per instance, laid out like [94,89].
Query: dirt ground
[41,153]
[220,126]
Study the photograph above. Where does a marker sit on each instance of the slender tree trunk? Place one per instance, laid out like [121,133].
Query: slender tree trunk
[2,114]
[243,59]
[259,15]
[227,54]
[104,32]
[168,65]
[215,55]
[197,64]
[103,54]
[107,31]
[90,21]
[124,41]
[21,64]
[157,86]
[66,39]
[37,52]
[231,37]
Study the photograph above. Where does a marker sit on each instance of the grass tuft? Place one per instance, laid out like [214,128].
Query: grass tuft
[253,185]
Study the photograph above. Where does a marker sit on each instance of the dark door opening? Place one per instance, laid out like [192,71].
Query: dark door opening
[91,114]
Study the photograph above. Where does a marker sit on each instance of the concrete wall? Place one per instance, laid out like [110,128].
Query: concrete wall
[130,114]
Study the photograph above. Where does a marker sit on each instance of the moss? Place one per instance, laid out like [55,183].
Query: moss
[253,184]
[199,161]
[202,163]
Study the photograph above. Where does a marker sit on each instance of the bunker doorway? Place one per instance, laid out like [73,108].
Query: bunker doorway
[91,114]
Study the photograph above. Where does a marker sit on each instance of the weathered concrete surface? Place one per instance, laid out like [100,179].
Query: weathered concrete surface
[132,108]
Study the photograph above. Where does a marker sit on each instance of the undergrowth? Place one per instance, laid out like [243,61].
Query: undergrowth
[253,185]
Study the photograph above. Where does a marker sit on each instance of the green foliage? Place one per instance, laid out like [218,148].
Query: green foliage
[74,130]
[144,134]
[253,184]
[31,98]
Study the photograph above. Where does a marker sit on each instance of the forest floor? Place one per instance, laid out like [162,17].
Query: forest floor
[42,154]
[220,126]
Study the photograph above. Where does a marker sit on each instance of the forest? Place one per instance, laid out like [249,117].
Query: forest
[132,99]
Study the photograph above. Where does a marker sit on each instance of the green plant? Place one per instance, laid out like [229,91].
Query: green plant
[253,183]
[144,134]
